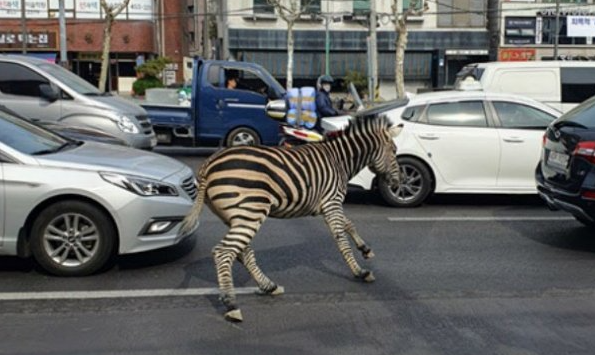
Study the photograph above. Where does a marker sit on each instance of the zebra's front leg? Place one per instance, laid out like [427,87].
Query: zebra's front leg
[265,285]
[357,239]
[335,219]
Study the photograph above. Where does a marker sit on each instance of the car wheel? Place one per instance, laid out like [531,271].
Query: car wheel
[414,188]
[585,221]
[72,238]
[242,136]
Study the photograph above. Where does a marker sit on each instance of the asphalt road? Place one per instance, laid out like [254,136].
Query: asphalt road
[460,275]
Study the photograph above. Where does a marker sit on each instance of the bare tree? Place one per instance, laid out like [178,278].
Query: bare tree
[111,12]
[401,40]
[290,14]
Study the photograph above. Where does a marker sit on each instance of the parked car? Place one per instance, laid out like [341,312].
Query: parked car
[461,142]
[560,84]
[218,115]
[75,204]
[43,91]
[565,175]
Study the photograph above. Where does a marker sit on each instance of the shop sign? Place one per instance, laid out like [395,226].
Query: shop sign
[35,40]
[551,12]
[580,26]
[33,8]
[516,54]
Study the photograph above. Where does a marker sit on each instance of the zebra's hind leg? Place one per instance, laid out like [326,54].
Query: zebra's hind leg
[265,285]
[224,256]
[335,219]
[357,239]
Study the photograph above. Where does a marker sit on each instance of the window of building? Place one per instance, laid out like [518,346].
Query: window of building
[18,80]
[514,115]
[465,114]
[312,6]
[418,6]
[567,1]
[549,32]
[578,84]
[263,7]
[361,7]
[462,13]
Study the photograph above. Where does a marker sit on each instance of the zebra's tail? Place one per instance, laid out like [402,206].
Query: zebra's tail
[191,219]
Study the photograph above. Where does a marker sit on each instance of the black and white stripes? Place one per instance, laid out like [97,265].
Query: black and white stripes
[245,185]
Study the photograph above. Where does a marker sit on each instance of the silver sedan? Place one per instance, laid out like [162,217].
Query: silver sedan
[73,204]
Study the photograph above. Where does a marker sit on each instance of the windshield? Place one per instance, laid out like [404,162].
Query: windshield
[70,79]
[582,115]
[26,137]
[382,108]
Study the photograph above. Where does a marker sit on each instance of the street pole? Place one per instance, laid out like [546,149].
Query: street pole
[556,37]
[206,47]
[63,53]
[24,39]
[327,45]
[373,51]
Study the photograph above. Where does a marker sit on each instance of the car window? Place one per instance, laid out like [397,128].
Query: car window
[16,79]
[578,84]
[412,113]
[25,137]
[515,115]
[583,114]
[213,75]
[251,81]
[466,113]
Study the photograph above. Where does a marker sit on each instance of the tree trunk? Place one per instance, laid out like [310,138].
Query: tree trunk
[289,83]
[105,55]
[400,45]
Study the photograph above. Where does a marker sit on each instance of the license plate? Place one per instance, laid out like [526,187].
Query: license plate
[557,160]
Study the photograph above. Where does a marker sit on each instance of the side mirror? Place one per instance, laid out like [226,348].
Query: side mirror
[276,109]
[48,92]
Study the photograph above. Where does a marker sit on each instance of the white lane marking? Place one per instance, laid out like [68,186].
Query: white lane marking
[74,295]
[478,219]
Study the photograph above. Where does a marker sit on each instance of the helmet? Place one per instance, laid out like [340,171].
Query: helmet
[325,79]
[322,80]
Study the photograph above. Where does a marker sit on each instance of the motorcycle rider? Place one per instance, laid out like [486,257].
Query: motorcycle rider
[324,106]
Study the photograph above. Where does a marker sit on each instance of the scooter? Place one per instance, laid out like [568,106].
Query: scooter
[293,135]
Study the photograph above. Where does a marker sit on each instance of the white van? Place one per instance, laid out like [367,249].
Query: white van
[560,84]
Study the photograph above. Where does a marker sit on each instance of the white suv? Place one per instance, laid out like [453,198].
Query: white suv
[462,142]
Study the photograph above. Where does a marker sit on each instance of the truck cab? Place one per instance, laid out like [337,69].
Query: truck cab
[220,114]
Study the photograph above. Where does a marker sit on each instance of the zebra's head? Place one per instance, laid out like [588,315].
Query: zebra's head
[384,163]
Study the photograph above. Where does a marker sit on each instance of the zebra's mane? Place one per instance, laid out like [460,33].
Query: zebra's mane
[364,124]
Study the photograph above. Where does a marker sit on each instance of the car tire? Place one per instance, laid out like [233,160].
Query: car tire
[415,187]
[242,136]
[72,238]
[585,221]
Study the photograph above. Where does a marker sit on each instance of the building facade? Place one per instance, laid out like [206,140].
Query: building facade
[146,28]
[439,43]
[528,30]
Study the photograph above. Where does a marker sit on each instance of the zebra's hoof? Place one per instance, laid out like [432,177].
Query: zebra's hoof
[234,316]
[278,290]
[369,254]
[367,276]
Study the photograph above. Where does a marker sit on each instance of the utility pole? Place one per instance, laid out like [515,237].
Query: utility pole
[556,37]
[327,45]
[24,39]
[223,31]
[373,80]
[63,55]
[206,47]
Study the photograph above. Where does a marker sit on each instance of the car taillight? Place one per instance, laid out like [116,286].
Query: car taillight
[585,150]
[588,194]
[544,139]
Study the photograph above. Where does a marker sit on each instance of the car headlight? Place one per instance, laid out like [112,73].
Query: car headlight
[125,124]
[140,186]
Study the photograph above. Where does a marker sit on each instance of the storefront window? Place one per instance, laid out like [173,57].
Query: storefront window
[549,32]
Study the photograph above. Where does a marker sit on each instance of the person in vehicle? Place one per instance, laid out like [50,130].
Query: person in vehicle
[231,79]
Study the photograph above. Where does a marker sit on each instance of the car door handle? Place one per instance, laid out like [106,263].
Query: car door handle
[428,136]
[232,100]
[513,139]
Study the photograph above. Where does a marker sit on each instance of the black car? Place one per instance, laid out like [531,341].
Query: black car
[565,175]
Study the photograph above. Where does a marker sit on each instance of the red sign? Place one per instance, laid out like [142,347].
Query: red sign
[516,54]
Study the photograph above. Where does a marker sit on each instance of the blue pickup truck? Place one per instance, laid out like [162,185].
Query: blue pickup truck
[220,115]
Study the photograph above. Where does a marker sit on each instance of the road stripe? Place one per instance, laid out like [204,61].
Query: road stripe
[74,295]
[479,219]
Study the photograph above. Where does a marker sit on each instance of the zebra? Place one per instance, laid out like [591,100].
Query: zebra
[245,185]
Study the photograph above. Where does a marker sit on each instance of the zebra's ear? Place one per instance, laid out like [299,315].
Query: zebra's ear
[395,130]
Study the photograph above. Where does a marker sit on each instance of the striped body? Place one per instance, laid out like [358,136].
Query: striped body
[245,185]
